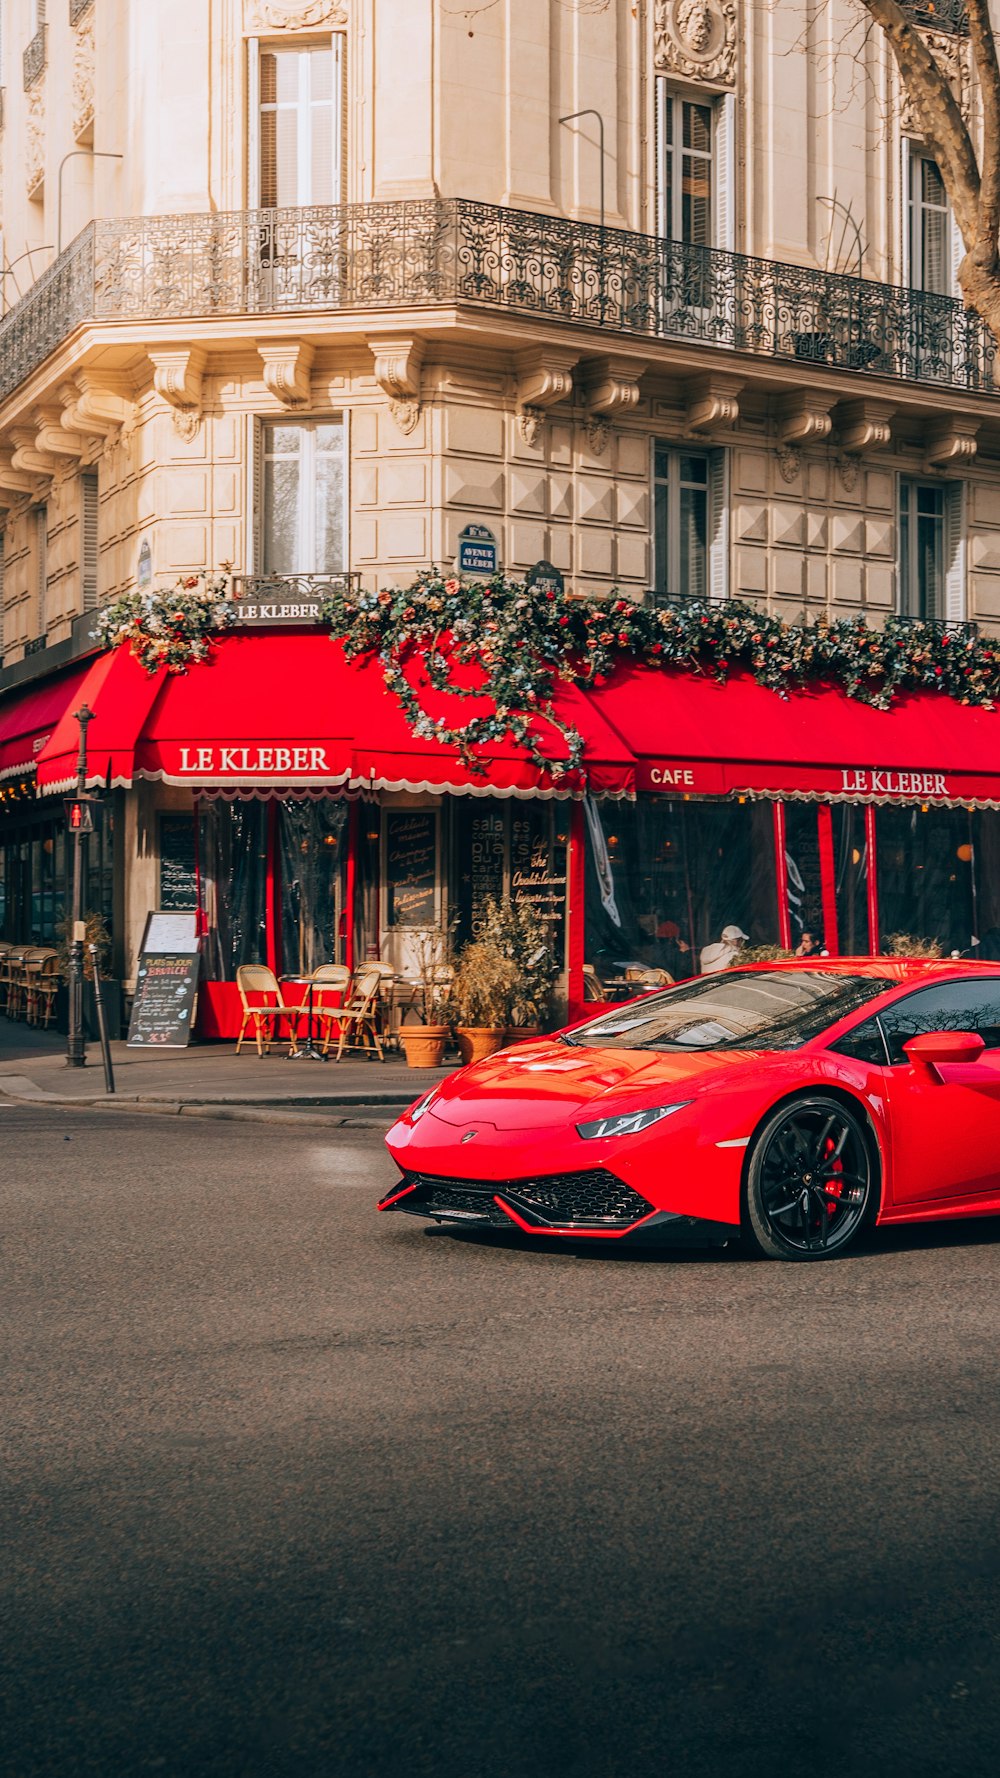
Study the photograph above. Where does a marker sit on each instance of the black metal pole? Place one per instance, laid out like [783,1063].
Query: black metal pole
[76,1049]
[102,1029]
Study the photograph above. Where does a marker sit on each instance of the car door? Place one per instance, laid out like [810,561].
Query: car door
[945,1131]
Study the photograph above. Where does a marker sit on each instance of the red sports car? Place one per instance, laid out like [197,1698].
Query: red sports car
[790,1103]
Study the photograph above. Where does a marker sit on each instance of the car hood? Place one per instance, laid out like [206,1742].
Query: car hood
[538,1083]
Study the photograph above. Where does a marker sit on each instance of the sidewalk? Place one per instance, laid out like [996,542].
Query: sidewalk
[211,1080]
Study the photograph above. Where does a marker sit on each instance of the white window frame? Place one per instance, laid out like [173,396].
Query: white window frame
[255,49]
[258,541]
[952,592]
[723,180]
[912,153]
[716,485]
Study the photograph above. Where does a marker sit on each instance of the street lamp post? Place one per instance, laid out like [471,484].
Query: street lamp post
[76,1049]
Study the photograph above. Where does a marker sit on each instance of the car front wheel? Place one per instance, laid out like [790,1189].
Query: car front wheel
[810,1181]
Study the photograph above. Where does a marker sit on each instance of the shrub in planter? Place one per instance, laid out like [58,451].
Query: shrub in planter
[480,997]
[424,1039]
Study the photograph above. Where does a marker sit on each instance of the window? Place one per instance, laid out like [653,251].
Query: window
[2,540]
[932,550]
[737,1011]
[299,157]
[303,503]
[88,539]
[690,529]
[930,230]
[953,1006]
[694,155]
[41,569]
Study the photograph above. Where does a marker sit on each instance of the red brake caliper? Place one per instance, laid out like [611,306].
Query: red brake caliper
[833,1187]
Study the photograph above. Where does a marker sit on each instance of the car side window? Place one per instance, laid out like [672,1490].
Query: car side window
[864,1044]
[949,1006]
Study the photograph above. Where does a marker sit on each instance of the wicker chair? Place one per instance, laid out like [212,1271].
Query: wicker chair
[360,1016]
[645,980]
[593,987]
[264,1007]
[330,983]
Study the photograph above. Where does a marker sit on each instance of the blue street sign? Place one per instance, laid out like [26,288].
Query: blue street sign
[477,551]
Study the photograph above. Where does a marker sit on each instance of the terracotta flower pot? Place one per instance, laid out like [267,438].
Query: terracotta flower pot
[523,1033]
[476,1042]
[423,1045]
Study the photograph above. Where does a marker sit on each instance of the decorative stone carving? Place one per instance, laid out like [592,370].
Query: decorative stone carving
[398,361]
[696,39]
[177,376]
[529,424]
[804,417]
[598,432]
[950,443]
[288,370]
[848,471]
[292,15]
[15,481]
[83,79]
[544,377]
[34,143]
[28,458]
[91,407]
[712,401]
[864,425]
[789,462]
[611,384]
[953,55]
[54,438]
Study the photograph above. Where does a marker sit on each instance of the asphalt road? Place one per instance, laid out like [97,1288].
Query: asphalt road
[290,1488]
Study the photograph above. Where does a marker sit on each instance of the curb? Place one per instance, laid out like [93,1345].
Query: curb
[257,1114]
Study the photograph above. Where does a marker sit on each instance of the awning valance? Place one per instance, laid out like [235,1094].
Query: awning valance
[120,694]
[286,712]
[696,737]
[29,719]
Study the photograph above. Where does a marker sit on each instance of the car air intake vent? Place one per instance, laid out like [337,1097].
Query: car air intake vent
[593,1199]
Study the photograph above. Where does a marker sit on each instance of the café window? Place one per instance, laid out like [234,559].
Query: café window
[690,523]
[518,850]
[931,550]
[694,184]
[297,110]
[301,478]
[931,242]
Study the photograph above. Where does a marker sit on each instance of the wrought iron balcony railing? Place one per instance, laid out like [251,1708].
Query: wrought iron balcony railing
[77,8]
[359,258]
[35,57]
[938,15]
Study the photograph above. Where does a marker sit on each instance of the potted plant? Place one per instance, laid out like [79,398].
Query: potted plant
[525,939]
[423,1042]
[480,995]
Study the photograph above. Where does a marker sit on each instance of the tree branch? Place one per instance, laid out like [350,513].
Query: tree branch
[984,249]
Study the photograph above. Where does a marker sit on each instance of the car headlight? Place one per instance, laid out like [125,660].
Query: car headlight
[629,1123]
[421,1105]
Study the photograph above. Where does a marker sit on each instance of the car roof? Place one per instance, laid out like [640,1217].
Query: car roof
[888,969]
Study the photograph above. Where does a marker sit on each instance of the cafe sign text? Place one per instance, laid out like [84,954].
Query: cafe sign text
[863,781]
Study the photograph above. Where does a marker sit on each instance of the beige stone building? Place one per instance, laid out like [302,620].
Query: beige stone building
[658,291]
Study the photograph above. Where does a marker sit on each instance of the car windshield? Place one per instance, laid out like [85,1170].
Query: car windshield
[742,1010]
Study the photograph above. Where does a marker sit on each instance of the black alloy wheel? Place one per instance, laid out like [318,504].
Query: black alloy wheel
[810,1181]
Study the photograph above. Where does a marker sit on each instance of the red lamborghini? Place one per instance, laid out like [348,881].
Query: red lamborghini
[790,1103]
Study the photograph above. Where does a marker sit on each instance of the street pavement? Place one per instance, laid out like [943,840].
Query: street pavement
[292,1488]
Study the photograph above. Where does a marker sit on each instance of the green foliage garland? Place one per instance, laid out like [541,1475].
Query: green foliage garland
[172,627]
[524,642]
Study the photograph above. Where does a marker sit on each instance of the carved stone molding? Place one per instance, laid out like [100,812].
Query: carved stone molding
[789,462]
[28,457]
[15,481]
[398,362]
[88,406]
[529,424]
[611,385]
[864,425]
[545,376]
[288,370]
[83,79]
[848,471]
[953,55]
[696,40]
[177,376]
[804,417]
[53,438]
[950,443]
[598,431]
[34,144]
[292,15]
[712,401]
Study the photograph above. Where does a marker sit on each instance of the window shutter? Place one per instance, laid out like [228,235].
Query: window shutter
[725,172]
[253,123]
[41,569]
[905,178]
[718,525]
[340,119]
[2,541]
[659,149]
[255,496]
[957,246]
[89,555]
[955,597]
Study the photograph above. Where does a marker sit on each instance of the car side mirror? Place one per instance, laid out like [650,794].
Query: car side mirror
[932,1048]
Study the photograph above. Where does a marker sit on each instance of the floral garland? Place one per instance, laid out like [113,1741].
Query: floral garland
[172,627]
[524,641]
[517,644]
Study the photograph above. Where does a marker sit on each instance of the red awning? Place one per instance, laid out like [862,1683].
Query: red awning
[285,711]
[693,736]
[121,695]
[28,721]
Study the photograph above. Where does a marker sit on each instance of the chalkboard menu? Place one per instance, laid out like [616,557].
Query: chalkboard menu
[480,852]
[166,984]
[538,869]
[178,877]
[411,867]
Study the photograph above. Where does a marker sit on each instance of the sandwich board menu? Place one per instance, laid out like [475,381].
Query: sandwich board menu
[166,984]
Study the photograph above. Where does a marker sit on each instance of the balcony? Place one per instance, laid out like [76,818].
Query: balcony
[77,8]
[35,57]
[938,15]
[363,259]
